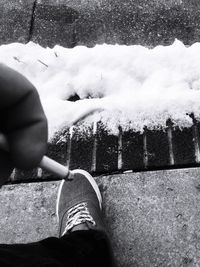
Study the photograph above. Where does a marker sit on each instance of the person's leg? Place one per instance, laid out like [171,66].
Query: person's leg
[82,237]
[79,248]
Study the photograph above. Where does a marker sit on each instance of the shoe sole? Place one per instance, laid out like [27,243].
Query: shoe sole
[91,181]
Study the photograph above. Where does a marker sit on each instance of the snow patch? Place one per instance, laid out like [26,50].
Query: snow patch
[134,86]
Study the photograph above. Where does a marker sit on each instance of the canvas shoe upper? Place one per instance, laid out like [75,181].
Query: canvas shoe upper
[79,201]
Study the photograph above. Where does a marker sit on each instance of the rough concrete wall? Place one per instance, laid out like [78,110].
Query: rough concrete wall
[153,218]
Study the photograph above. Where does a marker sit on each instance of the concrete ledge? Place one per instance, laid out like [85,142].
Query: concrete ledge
[153,217]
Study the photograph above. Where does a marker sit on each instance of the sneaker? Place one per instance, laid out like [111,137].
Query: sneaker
[79,202]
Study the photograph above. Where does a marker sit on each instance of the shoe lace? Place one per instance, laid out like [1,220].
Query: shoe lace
[77,215]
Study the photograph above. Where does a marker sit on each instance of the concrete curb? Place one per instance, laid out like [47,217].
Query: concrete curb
[152,217]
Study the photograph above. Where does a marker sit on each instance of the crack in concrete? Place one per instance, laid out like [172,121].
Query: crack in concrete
[32,21]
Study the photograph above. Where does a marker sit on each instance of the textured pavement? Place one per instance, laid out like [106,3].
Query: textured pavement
[73,22]
[153,217]
[15,20]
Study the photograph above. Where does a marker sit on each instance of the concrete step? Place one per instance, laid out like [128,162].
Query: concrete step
[153,218]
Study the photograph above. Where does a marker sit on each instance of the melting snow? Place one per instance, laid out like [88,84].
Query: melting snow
[134,86]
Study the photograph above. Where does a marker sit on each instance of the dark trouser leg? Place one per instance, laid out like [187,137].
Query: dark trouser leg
[79,248]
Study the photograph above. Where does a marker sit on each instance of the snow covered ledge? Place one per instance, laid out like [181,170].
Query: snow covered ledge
[148,101]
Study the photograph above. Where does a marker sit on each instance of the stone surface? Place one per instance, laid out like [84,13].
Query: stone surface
[183,146]
[53,24]
[15,20]
[107,151]
[153,218]
[22,175]
[27,212]
[82,144]
[132,150]
[104,153]
[90,22]
[157,148]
